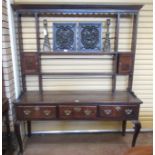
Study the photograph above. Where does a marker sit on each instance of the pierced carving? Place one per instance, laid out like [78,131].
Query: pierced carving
[64,37]
[90,37]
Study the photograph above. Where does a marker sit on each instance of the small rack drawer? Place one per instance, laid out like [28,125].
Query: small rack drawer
[125,63]
[30,63]
[77,112]
[118,112]
[35,112]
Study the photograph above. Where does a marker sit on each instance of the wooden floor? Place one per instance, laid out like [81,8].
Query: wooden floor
[83,144]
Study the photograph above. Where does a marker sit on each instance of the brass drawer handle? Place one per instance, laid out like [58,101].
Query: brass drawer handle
[27,112]
[118,108]
[77,109]
[128,111]
[87,112]
[67,112]
[108,111]
[47,112]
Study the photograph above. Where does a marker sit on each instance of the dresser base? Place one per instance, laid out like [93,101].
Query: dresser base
[137,127]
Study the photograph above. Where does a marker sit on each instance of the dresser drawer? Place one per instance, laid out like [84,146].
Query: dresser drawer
[77,112]
[35,112]
[118,112]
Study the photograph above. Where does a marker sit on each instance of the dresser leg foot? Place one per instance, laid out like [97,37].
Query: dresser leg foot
[124,128]
[29,128]
[18,135]
[137,127]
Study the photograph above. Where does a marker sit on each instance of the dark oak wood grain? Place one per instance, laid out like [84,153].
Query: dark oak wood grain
[77,97]
[30,63]
[75,9]
[125,63]
[77,112]
[78,105]
[35,112]
[133,49]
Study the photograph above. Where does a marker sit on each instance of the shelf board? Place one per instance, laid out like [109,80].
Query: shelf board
[79,74]
[77,53]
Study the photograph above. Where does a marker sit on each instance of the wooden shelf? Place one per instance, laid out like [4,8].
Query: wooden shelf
[77,53]
[76,9]
[78,74]
[102,97]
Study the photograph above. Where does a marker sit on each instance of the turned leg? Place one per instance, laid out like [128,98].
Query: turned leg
[18,135]
[137,127]
[123,128]
[29,128]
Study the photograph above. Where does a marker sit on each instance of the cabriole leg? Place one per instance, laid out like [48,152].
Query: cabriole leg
[137,127]
[18,135]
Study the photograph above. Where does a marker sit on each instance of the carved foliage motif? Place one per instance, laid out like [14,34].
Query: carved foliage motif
[64,36]
[90,36]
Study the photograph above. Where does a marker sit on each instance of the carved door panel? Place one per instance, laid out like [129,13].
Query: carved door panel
[90,35]
[30,63]
[64,37]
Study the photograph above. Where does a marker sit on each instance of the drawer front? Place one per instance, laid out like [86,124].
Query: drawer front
[77,112]
[118,112]
[35,112]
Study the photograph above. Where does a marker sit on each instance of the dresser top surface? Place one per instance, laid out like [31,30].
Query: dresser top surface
[81,97]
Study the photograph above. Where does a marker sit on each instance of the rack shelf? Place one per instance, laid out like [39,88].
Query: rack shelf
[77,53]
[79,74]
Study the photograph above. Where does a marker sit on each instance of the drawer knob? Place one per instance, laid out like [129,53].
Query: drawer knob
[118,108]
[47,112]
[87,112]
[77,109]
[27,112]
[108,111]
[37,108]
[128,111]
[67,112]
